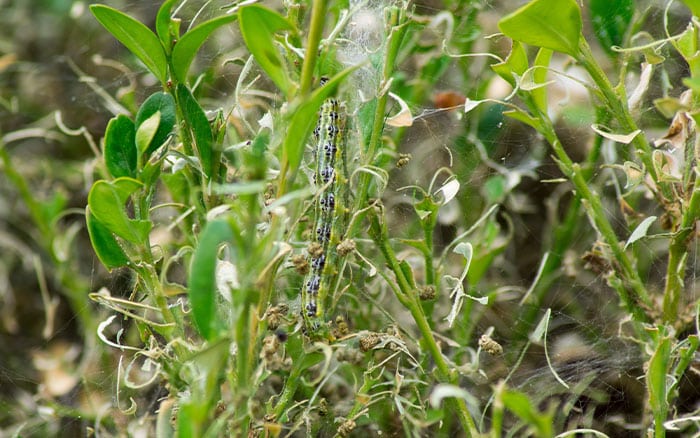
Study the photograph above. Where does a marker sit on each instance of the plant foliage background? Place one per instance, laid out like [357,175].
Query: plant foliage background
[513,243]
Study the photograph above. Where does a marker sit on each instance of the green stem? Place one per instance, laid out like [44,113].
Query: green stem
[245,342]
[677,257]
[595,208]
[409,298]
[428,229]
[290,388]
[360,402]
[563,235]
[617,106]
[497,410]
[318,17]
[154,289]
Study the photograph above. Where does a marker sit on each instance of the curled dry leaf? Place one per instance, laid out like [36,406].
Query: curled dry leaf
[681,128]
[637,95]
[634,173]
[449,190]
[404,117]
[619,138]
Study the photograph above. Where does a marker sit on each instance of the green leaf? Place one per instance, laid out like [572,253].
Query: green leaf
[520,405]
[254,157]
[136,37]
[444,391]
[524,117]
[107,203]
[202,281]
[489,245]
[694,6]
[105,245]
[120,149]
[303,119]
[146,132]
[197,125]
[203,374]
[495,189]
[640,231]
[186,48]
[515,64]
[191,418]
[150,173]
[53,207]
[242,188]
[466,250]
[177,185]
[687,46]
[539,94]
[554,24]
[610,21]
[163,24]
[668,106]
[165,104]
[537,336]
[258,27]
[656,376]
[687,43]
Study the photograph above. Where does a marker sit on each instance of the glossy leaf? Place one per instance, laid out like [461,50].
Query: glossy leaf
[198,127]
[258,27]
[120,148]
[610,21]
[202,281]
[165,104]
[107,203]
[136,37]
[514,65]
[186,48]
[146,132]
[163,24]
[104,243]
[539,94]
[553,24]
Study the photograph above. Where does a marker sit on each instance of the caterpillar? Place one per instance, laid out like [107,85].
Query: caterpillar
[328,176]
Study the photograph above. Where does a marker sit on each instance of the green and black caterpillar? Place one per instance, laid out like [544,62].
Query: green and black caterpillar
[328,176]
